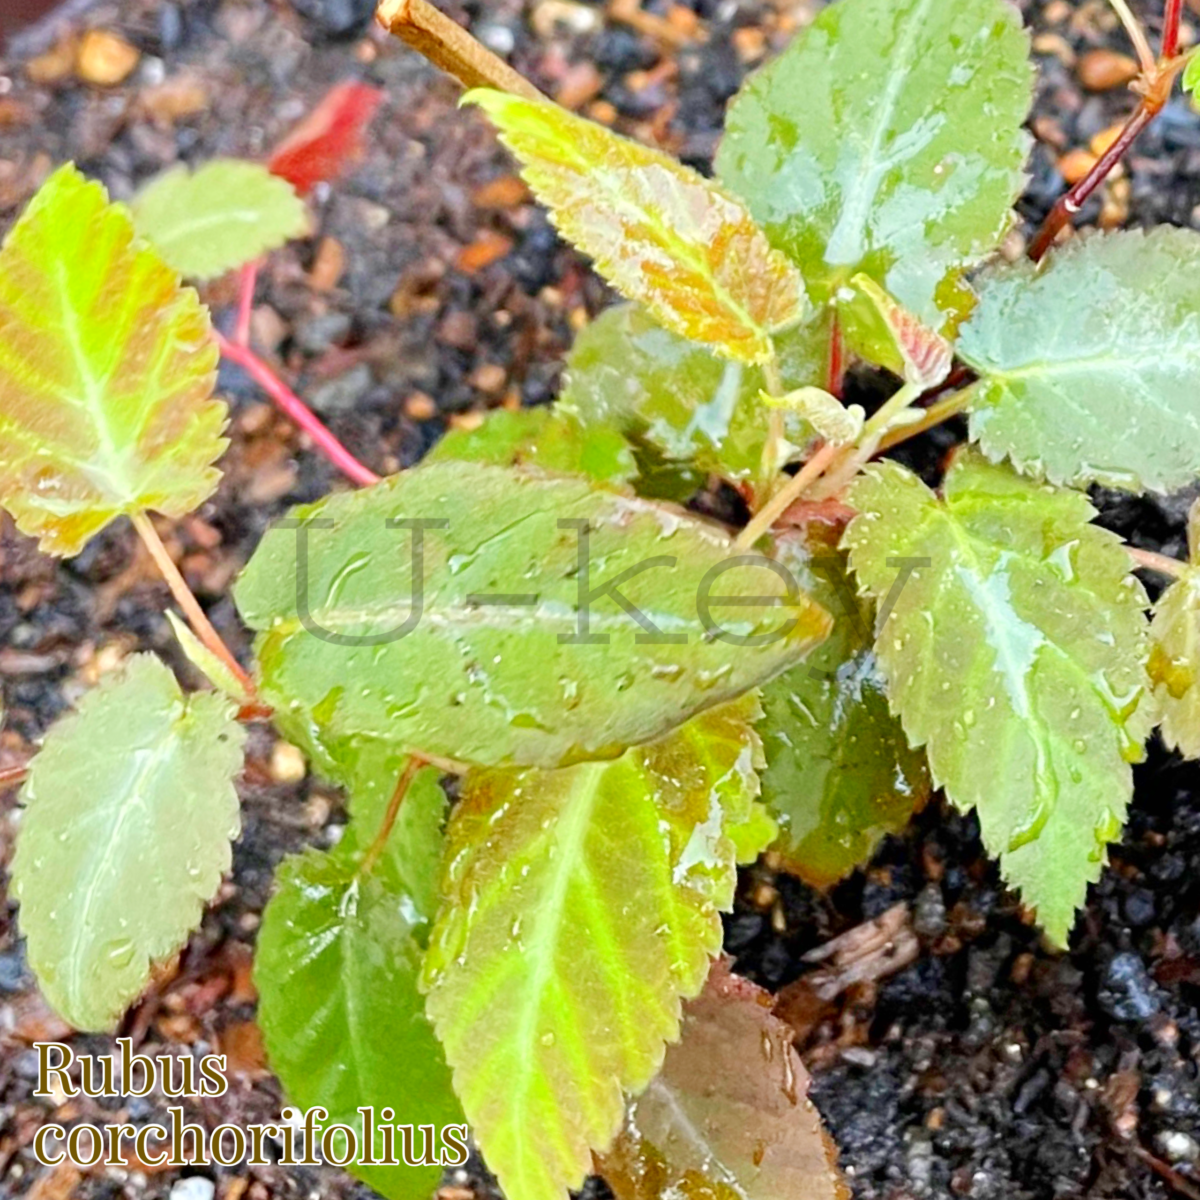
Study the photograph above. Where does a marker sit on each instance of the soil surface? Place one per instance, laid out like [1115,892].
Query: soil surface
[953,1055]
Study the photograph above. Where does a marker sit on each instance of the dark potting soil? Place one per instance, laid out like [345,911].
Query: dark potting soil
[985,1067]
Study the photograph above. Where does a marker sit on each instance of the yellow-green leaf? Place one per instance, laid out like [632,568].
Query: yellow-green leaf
[548,619]
[689,407]
[206,662]
[1013,638]
[107,367]
[1175,663]
[581,905]
[221,216]
[129,811]
[548,438]
[659,232]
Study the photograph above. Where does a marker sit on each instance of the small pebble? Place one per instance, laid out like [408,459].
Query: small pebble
[1102,70]
[194,1187]
[105,59]
[1075,164]
[343,392]
[1177,1147]
[287,763]
[1128,993]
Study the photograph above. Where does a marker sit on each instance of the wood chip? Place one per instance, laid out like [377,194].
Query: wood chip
[487,248]
[328,266]
[871,951]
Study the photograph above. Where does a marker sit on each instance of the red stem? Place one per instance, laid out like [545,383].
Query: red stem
[13,776]
[1171,19]
[837,358]
[298,411]
[1070,204]
[1157,90]
[246,280]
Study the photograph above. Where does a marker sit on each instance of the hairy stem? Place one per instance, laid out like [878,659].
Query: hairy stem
[1148,560]
[201,625]
[298,411]
[411,767]
[449,46]
[781,501]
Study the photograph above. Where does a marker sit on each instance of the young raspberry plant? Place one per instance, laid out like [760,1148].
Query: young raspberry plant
[529,609]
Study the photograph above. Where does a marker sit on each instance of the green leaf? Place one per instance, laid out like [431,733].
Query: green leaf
[129,812]
[471,676]
[206,662]
[581,904]
[221,216]
[728,1118]
[106,369]
[1015,654]
[659,232]
[839,773]
[886,140]
[411,860]
[1090,366]
[545,438]
[1175,663]
[629,373]
[1191,73]
[339,955]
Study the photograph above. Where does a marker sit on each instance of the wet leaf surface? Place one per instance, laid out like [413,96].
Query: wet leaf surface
[580,906]
[1015,654]
[627,372]
[1091,366]
[840,774]
[339,955]
[221,216]
[728,1117]
[493,667]
[129,812]
[106,372]
[886,139]
[659,232]
[545,438]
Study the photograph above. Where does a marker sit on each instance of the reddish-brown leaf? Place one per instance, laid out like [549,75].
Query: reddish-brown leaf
[328,139]
[728,1118]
